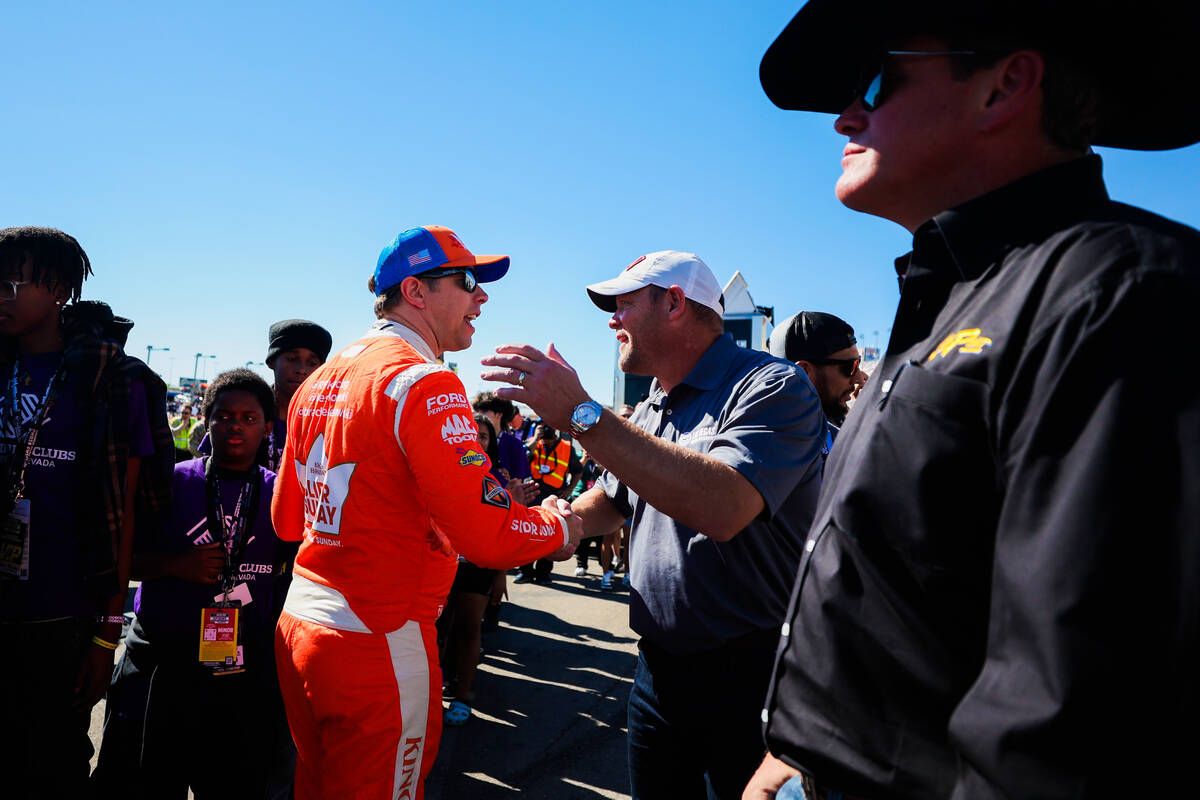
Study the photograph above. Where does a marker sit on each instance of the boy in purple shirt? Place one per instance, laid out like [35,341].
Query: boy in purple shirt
[175,687]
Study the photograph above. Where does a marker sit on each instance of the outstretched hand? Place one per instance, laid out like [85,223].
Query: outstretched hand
[543,381]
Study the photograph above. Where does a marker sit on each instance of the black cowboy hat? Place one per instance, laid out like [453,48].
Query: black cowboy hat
[1139,53]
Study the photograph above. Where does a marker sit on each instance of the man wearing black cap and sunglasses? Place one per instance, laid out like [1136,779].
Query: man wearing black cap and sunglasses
[825,348]
[1000,593]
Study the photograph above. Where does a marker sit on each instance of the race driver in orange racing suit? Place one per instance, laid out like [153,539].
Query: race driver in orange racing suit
[383,479]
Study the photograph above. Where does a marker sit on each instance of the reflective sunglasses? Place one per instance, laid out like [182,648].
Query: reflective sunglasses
[874,89]
[468,282]
[848,366]
[8,288]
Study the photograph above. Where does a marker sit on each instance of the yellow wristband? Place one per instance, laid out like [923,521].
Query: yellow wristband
[103,643]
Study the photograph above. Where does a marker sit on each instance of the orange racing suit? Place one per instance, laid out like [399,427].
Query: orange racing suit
[384,480]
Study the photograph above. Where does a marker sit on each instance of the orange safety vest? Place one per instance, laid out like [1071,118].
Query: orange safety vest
[383,479]
[558,462]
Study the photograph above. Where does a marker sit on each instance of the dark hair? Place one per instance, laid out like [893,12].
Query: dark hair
[240,380]
[493,450]
[1071,96]
[56,258]
[488,401]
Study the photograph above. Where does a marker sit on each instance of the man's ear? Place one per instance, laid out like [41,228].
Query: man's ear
[809,369]
[676,301]
[414,291]
[1011,89]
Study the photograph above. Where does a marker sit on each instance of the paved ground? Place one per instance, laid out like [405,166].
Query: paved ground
[551,697]
[551,693]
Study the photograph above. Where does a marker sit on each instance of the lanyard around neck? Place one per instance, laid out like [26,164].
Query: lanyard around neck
[36,421]
[232,535]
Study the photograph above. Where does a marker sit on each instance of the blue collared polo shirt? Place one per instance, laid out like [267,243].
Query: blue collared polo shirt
[760,415]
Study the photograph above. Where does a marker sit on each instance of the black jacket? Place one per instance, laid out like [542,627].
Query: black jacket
[1002,588]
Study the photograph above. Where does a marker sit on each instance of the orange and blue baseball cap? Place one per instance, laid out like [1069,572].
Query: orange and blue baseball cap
[428,248]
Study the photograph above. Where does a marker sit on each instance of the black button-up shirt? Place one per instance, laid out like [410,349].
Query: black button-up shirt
[999,595]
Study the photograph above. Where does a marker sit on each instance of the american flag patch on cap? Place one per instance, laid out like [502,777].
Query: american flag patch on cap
[419,258]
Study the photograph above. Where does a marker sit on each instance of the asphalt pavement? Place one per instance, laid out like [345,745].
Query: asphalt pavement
[551,692]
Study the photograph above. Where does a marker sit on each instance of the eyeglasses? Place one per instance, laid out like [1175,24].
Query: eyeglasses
[8,288]
[849,366]
[468,283]
[875,89]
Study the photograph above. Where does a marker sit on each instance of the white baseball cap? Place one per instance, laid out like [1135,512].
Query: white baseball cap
[664,269]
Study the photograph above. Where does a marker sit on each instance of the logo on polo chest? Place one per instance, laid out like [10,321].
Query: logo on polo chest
[970,340]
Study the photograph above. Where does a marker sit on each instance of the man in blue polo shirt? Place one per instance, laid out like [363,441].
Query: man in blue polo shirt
[720,470]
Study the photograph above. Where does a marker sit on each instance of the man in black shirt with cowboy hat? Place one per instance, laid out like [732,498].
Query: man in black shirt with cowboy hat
[1000,593]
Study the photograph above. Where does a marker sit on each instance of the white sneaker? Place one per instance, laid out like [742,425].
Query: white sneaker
[580,572]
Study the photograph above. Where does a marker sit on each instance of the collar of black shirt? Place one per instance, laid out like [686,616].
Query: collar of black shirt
[968,238]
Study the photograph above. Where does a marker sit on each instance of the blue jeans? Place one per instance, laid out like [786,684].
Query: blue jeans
[695,725]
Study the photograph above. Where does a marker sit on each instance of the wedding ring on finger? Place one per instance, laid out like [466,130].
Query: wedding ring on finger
[520,378]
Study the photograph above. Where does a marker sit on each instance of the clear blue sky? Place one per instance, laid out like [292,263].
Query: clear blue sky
[227,166]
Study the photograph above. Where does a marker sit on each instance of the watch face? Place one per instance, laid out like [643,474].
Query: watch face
[586,414]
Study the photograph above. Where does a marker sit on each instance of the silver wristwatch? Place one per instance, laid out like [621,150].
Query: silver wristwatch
[585,416]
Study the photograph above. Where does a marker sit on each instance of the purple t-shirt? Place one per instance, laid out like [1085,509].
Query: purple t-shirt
[55,587]
[513,456]
[168,609]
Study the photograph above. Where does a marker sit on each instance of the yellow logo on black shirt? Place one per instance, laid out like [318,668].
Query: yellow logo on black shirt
[967,341]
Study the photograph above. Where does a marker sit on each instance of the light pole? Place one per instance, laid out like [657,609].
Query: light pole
[150,349]
[196,365]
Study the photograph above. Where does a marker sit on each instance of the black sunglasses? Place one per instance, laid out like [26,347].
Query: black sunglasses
[874,89]
[849,366]
[468,283]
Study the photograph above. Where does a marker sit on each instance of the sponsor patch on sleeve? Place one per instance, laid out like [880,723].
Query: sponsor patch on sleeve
[441,403]
[459,429]
[494,494]
[471,458]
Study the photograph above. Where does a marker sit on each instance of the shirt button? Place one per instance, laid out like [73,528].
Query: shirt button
[668,412]
[810,545]
[764,716]
[786,630]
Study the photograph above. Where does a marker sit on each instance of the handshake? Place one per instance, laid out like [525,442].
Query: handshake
[574,527]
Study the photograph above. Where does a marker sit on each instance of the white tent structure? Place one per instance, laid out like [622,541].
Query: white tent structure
[750,324]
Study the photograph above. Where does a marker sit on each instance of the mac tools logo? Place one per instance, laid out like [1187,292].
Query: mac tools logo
[459,429]
[325,489]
